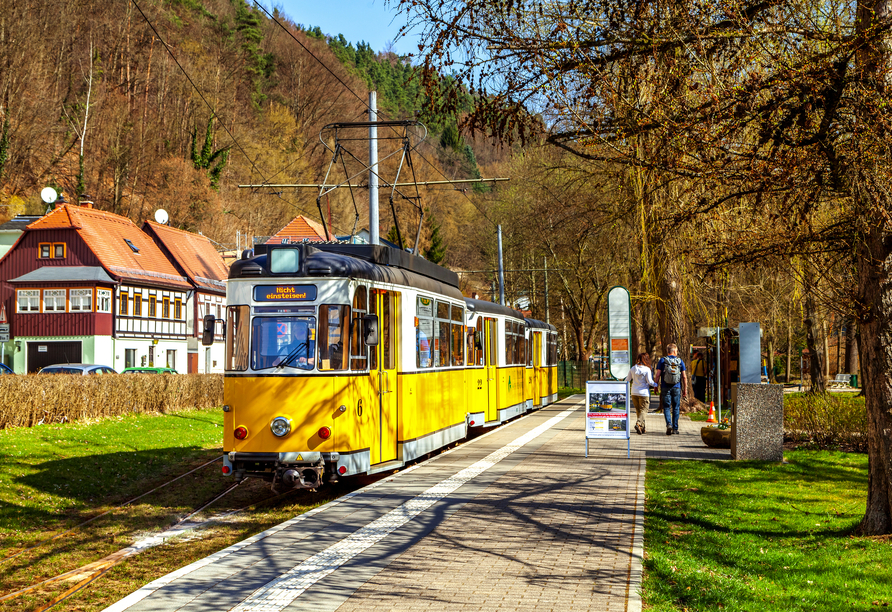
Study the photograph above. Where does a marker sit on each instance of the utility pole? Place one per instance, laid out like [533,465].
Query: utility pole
[501,271]
[374,238]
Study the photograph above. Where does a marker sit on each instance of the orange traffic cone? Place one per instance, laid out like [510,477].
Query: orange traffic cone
[711,417]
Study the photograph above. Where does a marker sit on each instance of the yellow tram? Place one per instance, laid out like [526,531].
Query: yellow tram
[349,359]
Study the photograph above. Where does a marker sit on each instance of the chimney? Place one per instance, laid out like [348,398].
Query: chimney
[60,202]
[86,201]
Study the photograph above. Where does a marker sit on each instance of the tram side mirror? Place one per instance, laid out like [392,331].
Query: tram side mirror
[370,329]
[209,324]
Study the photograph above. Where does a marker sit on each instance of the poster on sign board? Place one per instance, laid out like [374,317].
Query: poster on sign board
[606,411]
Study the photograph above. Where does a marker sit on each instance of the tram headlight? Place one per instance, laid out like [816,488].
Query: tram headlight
[281,426]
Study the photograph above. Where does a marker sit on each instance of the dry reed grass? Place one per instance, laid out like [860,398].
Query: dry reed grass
[26,401]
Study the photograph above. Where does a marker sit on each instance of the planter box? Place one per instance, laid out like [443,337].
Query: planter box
[714,437]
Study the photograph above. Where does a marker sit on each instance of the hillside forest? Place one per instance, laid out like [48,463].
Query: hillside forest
[175,104]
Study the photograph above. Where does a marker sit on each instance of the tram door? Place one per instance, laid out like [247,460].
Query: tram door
[537,368]
[383,373]
[492,362]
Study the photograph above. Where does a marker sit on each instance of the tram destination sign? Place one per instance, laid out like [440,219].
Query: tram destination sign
[284,293]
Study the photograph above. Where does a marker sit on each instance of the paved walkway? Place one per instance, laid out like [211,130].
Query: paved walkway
[517,519]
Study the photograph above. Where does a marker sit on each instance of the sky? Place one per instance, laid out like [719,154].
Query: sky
[358,20]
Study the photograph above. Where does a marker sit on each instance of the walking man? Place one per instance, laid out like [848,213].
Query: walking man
[672,377]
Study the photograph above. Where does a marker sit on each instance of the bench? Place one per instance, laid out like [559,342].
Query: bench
[841,381]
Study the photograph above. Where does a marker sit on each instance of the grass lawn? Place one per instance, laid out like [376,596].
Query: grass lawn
[55,477]
[754,536]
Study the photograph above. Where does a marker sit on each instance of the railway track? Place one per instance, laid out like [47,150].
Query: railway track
[85,574]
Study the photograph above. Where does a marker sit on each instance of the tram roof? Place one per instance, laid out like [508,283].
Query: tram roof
[492,308]
[360,261]
[537,324]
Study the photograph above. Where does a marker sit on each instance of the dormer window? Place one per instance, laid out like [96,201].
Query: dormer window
[51,250]
[132,246]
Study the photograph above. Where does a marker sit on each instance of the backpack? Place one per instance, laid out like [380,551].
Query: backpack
[672,370]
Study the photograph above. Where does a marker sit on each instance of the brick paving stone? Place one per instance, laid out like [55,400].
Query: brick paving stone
[543,529]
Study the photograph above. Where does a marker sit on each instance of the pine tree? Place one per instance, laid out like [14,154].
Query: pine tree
[392,237]
[437,250]
[206,158]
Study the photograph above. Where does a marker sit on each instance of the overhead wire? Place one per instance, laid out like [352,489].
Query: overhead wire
[364,102]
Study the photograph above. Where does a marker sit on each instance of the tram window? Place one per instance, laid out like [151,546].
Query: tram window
[284,342]
[442,310]
[386,330]
[237,337]
[333,336]
[509,342]
[358,349]
[458,347]
[520,345]
[458,314]
[478,344]
[442,345]
[284,261]
[424,333]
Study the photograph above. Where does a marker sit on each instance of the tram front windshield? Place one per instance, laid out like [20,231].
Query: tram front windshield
[283,341]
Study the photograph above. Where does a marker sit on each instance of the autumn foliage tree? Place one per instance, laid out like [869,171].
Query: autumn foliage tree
[767,128]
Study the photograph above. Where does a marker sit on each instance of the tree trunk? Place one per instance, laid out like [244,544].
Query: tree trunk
[849,363]
[812,340]
[770,361]
[875,328]
[826,348]
[671,309]
[789,364]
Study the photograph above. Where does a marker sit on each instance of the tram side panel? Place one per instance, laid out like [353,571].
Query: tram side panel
[433,382]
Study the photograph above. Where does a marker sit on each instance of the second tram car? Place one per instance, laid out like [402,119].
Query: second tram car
[349,359]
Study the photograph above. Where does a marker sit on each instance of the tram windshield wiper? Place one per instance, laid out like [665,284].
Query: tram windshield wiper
[303,346]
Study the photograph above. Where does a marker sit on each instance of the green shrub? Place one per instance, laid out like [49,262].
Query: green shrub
[827,420]
[26,401]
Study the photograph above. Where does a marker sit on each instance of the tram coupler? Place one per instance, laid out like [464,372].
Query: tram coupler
[304,477]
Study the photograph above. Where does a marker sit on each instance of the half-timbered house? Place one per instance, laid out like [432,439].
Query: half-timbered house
[85,286]
[195,257]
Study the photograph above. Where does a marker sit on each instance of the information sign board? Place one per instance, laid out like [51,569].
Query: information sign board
[4,332]
[619,328]
[606,411]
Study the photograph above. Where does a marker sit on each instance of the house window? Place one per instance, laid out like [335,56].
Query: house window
[103,300]
[178,309]
[124,300]
[137,304]
[129,358]
[51,250]
[152,304]
[165,308]
[132,246]
[28,300]
[54,300]
[81,300]
[172,358]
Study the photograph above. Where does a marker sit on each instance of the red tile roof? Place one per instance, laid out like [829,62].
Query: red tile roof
[299,229]
[195,255]
[105,234]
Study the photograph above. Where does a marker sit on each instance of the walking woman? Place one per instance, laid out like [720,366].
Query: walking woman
[642,379]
